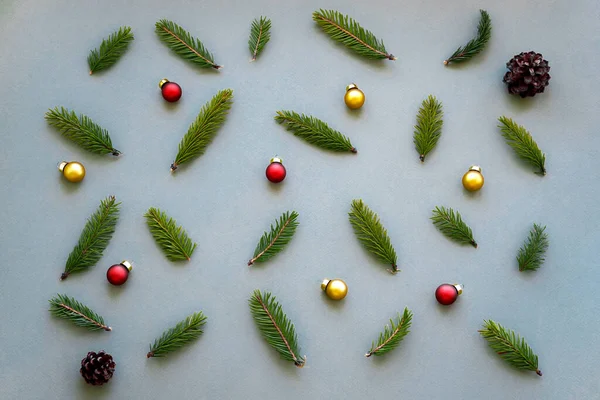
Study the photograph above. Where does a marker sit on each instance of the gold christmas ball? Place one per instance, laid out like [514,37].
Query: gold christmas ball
[472,180]
[354,97]
[73,171]
[335,289]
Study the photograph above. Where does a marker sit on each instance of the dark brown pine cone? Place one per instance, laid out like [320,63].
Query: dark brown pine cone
[527,74]
[97,368]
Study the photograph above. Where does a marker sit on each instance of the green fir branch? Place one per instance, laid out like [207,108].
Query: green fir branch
[275,327]
[94,238]
[452,226]
[172,239]
[260,33]
[110,51]
[371,233]
[314,131]
[65,307]
[429,126]
[522,143]
[392,334]
[177,337]
[348,32]
[204,128]
[277,238]
[185,45]
[81,130]
[531,255]
[476,45]
[510,346]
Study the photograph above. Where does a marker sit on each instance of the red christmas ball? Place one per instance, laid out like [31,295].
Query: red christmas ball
[447,294]
[171,91]
[117,274]
[275,171]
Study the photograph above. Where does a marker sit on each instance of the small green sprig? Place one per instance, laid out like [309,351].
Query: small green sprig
[177,337]
[450,223]
[277,238]
[260,34]
[476,45]
[531,254]
[172,239]
[522,143]
[110,51]
[392,334]
[429,126]
[185,45]
[65,307]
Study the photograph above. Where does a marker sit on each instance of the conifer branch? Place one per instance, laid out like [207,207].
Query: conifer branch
[260,33]
[94,238]
[111,50]
[275,327]
[452,226]
[81,130]
[68,308]
[522,143]
[177,337]
[314,131]
[476,45]
[347,31]
[172,239]
[204,128]
[392,334]
[185,45]
[531,255]
[276,239]
[429,126]
[510,346]
[371,233]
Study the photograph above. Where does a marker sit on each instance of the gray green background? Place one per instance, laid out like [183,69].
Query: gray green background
[224,201]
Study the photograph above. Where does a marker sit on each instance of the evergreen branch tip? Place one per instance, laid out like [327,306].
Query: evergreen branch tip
[477,44]
[110,50]
[274,241]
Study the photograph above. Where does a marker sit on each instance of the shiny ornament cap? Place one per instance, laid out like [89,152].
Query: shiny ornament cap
[459,288]
[127,265]
[351,86]
[62,165]
[475,168]
[162,82]
[277,160]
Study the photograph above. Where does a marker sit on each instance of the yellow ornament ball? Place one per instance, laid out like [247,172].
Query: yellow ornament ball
[335,289]
[73,171]
[354,97]
[473,180]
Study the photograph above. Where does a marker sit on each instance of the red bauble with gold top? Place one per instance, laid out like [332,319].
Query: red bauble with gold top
[117,274]
[275,172]
[447,294]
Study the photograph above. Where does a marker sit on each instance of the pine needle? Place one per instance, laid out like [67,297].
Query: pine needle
[371,233]
[452,226]
[348,32]
[277,238]
[260,33]
[531,255]
[510,346]
[522,143]
[185,45]
[429,126]
[476,45]
[111,50]
[204,128]
[392,334]
[314,131]
[68,308]
[275,327]
[94,238]
[81,130]
[172,239]
[177,337]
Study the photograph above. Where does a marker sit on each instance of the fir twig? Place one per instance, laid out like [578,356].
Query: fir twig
[260,33]
[111,50]
[314,131]
[522,143]
[185,45]
[371,233]
[392,334]
[172,239]
[275,327]
[347,31]
[452,226]
[81,130]
[94,238]
[510,346]
[531,255]
[178,336]
[429,126]
[70,309]
[277,238]
[204,128]
[476,45]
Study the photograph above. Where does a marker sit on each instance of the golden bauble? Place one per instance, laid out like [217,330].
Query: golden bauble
[473,180]
[335,289]
[354,97]
[73,171]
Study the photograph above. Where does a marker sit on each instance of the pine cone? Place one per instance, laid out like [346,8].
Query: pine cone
[527,75]
[97,368]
